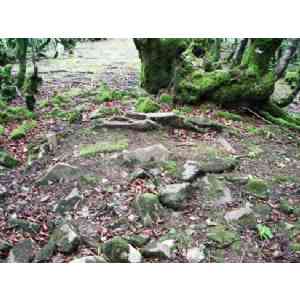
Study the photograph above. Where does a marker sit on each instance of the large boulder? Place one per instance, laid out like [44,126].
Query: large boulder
[66,238]
[155,153]
[23,252]
[148,208]
[118,250]
[6,160]
[69,202]
[174,195]
[60,171]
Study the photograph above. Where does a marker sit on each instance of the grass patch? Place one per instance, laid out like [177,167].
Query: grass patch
[92,150]
[22,130]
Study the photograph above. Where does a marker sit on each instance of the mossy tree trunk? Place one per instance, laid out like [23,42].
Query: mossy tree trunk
[21,53]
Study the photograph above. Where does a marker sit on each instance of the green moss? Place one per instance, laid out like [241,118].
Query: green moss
[43,103]
[222,236]
[2,130]
[105,94]
[90,180]
[60,100]
[295,247]
[229,116]
[6,160]
[170,167]
[146,105]
[22,130]
[166,98]
[74,116]
[116,250]
[286,207]
[92,150]
[258,187]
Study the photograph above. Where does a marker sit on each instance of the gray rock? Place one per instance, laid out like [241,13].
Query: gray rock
[23,252]
[119,250]
[89,259]
[215,192]
[159,249]
[69,202]
[24,225]
[66,238]
[237,214]
[155,153]
[3,193]
[60,171]
[45,254]
[191,169]
[218,165]
[148,208]
[196,254]
[174,195]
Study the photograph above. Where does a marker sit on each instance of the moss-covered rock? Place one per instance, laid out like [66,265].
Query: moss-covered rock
[137,240]
[148,208]
[229,116]
[118,250]
[222,236]
[24,225]
[23,252]
[2,130]
[258,187]
[6,160]
[66,238]
[46,252]
[146,105]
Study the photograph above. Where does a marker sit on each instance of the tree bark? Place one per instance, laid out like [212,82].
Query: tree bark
[286,57]
[239,52]
[21,53]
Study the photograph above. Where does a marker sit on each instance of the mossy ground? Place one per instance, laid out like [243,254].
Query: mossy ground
[109,194]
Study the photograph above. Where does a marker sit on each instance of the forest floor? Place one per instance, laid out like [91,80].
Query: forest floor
[221,212]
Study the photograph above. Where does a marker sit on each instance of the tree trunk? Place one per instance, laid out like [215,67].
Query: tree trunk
[239,52]
[21,52]
[286,57]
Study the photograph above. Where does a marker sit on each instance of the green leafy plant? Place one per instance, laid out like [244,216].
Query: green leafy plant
[264,232]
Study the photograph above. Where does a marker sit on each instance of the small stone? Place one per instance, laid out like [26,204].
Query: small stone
[3,193]
[237,214]
[118,250]
[159,249]
[89,259]
[69,202]
[148,208]
[23,252]
[196,254]
[191,169]
[174,195]
[60,171]
[66,238]
[52,141]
